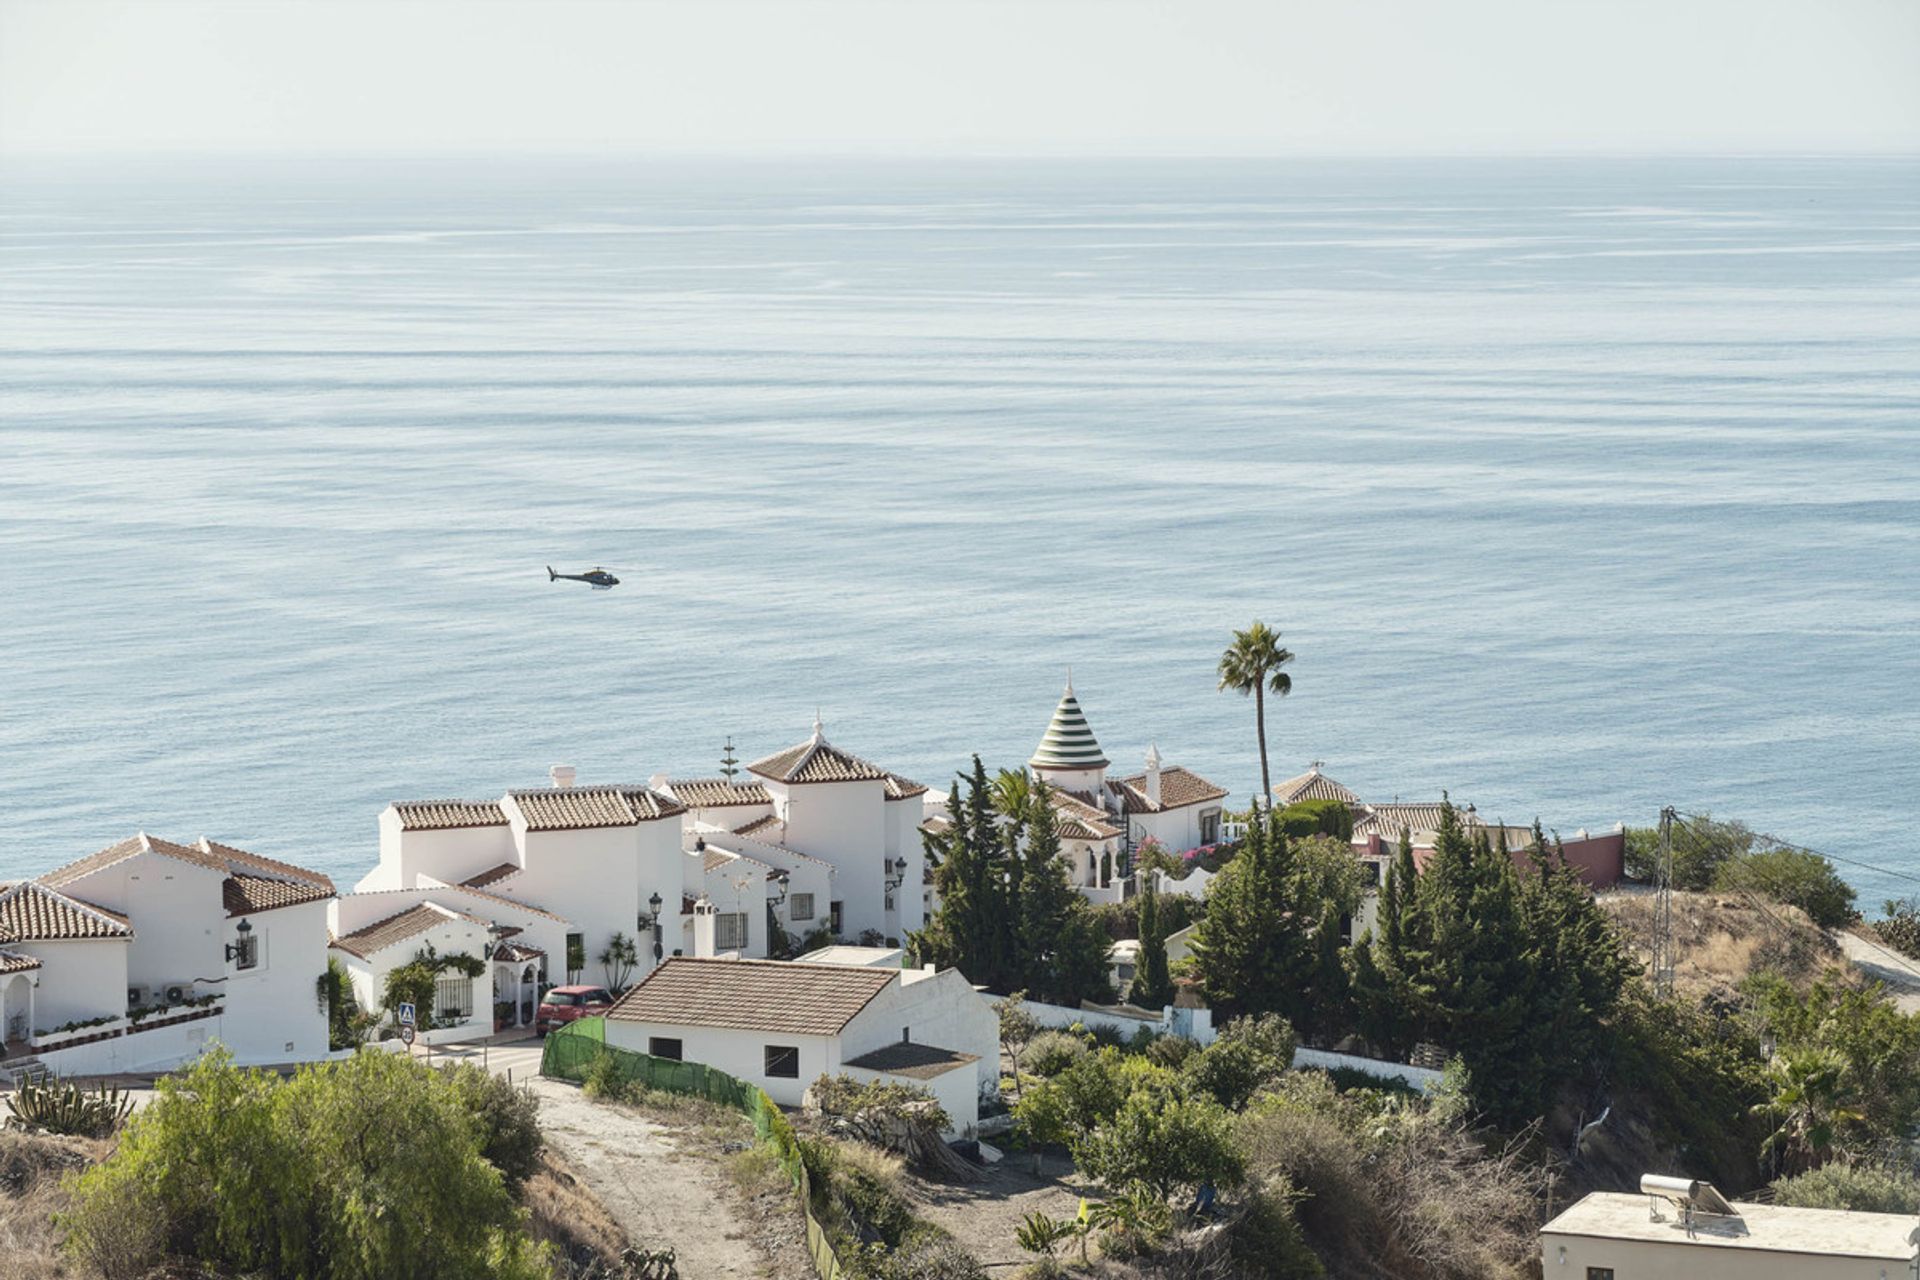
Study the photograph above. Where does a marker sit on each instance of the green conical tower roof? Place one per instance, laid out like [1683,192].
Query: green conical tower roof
[1069,741]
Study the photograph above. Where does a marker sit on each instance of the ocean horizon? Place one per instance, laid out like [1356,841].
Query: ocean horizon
[1579,487]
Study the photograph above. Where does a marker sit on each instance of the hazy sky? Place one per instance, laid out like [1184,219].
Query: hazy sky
[1117,76]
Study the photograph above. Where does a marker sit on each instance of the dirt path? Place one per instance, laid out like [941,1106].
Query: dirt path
[1900,974]
[661,1193]
[985,1216]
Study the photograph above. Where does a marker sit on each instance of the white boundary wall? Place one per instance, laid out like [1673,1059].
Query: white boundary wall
[1200,1029]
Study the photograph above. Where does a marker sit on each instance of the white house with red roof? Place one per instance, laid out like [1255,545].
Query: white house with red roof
[840,833]
[144,953]
[1104,820]
[600,860]
[781,1025]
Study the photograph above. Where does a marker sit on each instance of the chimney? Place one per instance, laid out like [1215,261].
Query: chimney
[1153,775]
[562,775]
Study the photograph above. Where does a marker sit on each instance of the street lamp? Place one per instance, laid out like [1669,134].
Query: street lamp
[658,950]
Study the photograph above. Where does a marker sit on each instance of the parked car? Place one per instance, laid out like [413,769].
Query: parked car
[564,1004]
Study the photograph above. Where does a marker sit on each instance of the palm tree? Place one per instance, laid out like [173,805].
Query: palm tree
[1013,794]
[1811,1097]
[1252,664]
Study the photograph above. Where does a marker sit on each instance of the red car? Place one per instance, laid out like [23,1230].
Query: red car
[564,1004]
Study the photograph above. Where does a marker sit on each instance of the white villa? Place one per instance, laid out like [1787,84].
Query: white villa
[539,882]
[782,1025]
[139,956]
[833,838]
[1103,820]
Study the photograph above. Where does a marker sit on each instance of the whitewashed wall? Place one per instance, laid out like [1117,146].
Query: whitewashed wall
[273,1011]
[77,980]
[741,1054]
[843,823]
[957,1092]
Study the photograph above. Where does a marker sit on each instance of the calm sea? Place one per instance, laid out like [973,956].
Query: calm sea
[1579,488]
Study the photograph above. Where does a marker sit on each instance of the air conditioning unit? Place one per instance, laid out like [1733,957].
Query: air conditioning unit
[136,996]
[179,992]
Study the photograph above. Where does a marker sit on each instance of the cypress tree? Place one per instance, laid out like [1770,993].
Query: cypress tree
[1152,984]
[1250,948]
[1044,899]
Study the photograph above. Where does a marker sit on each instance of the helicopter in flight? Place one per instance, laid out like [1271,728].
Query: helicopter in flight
[597,577]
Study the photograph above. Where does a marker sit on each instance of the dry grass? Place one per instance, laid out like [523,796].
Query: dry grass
[1721,939]
[31,1169]
[563,1212]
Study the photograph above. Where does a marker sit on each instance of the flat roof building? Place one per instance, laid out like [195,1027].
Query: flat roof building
[1621,1236]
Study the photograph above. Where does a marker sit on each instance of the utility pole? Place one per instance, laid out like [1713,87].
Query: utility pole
[1663,908]
[729,762]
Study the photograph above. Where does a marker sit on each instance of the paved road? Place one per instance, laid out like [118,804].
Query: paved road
[1901,975]
[518,1060]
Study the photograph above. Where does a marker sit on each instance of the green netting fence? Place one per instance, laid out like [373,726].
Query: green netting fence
[572,1050]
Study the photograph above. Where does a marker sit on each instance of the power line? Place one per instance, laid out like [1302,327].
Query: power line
[1775,842]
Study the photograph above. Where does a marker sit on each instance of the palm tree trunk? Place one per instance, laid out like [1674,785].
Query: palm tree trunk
[1260,723]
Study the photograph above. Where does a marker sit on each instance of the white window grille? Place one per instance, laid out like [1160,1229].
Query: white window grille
[730,930]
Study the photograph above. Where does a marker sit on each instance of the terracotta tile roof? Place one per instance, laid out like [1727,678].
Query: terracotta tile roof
[439,815]
[1078,820]
[250,895]
[516,952]
[240,861]
[817,760]
[395,929]
[1422,819]
[717,793]
[1314,785]
[17,962]
[132,846]
[1178,788]
[899,788]
[758,825]
[253,883]
[574,808]
[917,1061]
[31,912]
[715,859]
[491,875]
[776,996]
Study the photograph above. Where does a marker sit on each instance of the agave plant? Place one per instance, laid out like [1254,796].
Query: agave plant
[1042,1235]
[59,1107]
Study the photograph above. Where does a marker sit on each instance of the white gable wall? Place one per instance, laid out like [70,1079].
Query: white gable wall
[177,912]
[740,886]
[451,854]
[843,823]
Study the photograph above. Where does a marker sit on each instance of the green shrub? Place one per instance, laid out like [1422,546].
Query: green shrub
[1051,1052]
[1863,1188]
[1252,1053]
[508,1118]
[1266,1240]
[1162,1140]
[1171,1051]
[357,1170]
[1798,877]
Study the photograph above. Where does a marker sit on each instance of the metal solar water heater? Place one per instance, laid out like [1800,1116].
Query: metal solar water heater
[1693,1199]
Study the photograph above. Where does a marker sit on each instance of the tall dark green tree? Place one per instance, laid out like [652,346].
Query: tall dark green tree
[969,929]
[1043,900]
[1152,984]
[1250,949]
